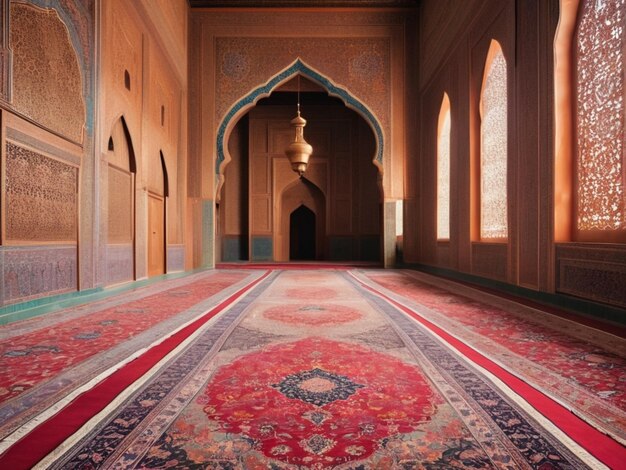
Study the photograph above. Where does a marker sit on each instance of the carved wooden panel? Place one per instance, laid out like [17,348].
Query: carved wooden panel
[490,260]
[592,271]
[4,73]
[120,207]
[47,81]
[600,281]
[41,197]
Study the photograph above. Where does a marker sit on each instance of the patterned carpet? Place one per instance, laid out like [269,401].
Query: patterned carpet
[45,359]
[331,369]
[583,368]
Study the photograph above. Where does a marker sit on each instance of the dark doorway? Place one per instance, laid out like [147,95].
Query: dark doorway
[302,234]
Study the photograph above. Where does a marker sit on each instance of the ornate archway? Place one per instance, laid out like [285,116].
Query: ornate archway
[298,67]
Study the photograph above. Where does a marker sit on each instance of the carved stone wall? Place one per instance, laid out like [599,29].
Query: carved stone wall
[41,197]
[592,271]
[47,81]
[31,272]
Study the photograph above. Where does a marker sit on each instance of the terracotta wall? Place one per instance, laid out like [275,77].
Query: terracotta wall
[144,82]
[66,195]
[46,143]
[453,49]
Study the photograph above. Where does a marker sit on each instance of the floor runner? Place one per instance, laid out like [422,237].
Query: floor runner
[48,358]
[582,368]
[312,372]
[30,449]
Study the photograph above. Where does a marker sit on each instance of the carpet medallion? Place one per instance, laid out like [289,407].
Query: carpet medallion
[256,390]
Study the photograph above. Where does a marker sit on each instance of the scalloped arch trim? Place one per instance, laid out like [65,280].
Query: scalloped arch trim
[297,67]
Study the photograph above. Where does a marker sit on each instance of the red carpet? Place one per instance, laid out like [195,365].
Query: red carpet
[46,358]
[580,367]
[307,370]
[77,340]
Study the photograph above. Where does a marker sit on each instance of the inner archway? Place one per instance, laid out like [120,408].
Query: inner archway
[260,190]
[302,234]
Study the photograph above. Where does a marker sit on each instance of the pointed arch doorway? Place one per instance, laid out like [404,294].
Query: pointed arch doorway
[301,227]
[157,218]
[257,175]
[302,234]
[119,204]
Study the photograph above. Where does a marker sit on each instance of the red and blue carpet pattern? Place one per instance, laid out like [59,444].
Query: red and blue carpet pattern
[44,359]
[312,369]
[583,368]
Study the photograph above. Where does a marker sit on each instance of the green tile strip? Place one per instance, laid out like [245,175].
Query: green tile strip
[33,308]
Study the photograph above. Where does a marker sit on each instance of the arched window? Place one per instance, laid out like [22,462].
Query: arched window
[443,170]
[493,147]
[600,173]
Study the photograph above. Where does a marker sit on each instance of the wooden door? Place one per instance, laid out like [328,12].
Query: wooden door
[156,235]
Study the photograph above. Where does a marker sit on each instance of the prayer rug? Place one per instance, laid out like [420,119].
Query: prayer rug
[310,370]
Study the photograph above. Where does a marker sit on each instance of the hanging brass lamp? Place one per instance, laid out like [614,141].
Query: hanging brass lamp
[299,150]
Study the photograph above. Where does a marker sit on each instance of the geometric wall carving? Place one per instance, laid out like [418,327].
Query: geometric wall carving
[30,272]
[5,60]
[591,272]
[4,53]
[489,260]
[41,197]
[47,81]
[600,281]
[120,205]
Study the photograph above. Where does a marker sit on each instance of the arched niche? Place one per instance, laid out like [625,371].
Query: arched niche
[119,204]
[302,192]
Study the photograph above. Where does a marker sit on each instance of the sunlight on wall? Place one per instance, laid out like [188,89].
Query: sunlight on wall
[493,147]
[443,171]
[600,115]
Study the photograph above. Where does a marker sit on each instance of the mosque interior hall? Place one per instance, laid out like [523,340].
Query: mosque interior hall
[297,234]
